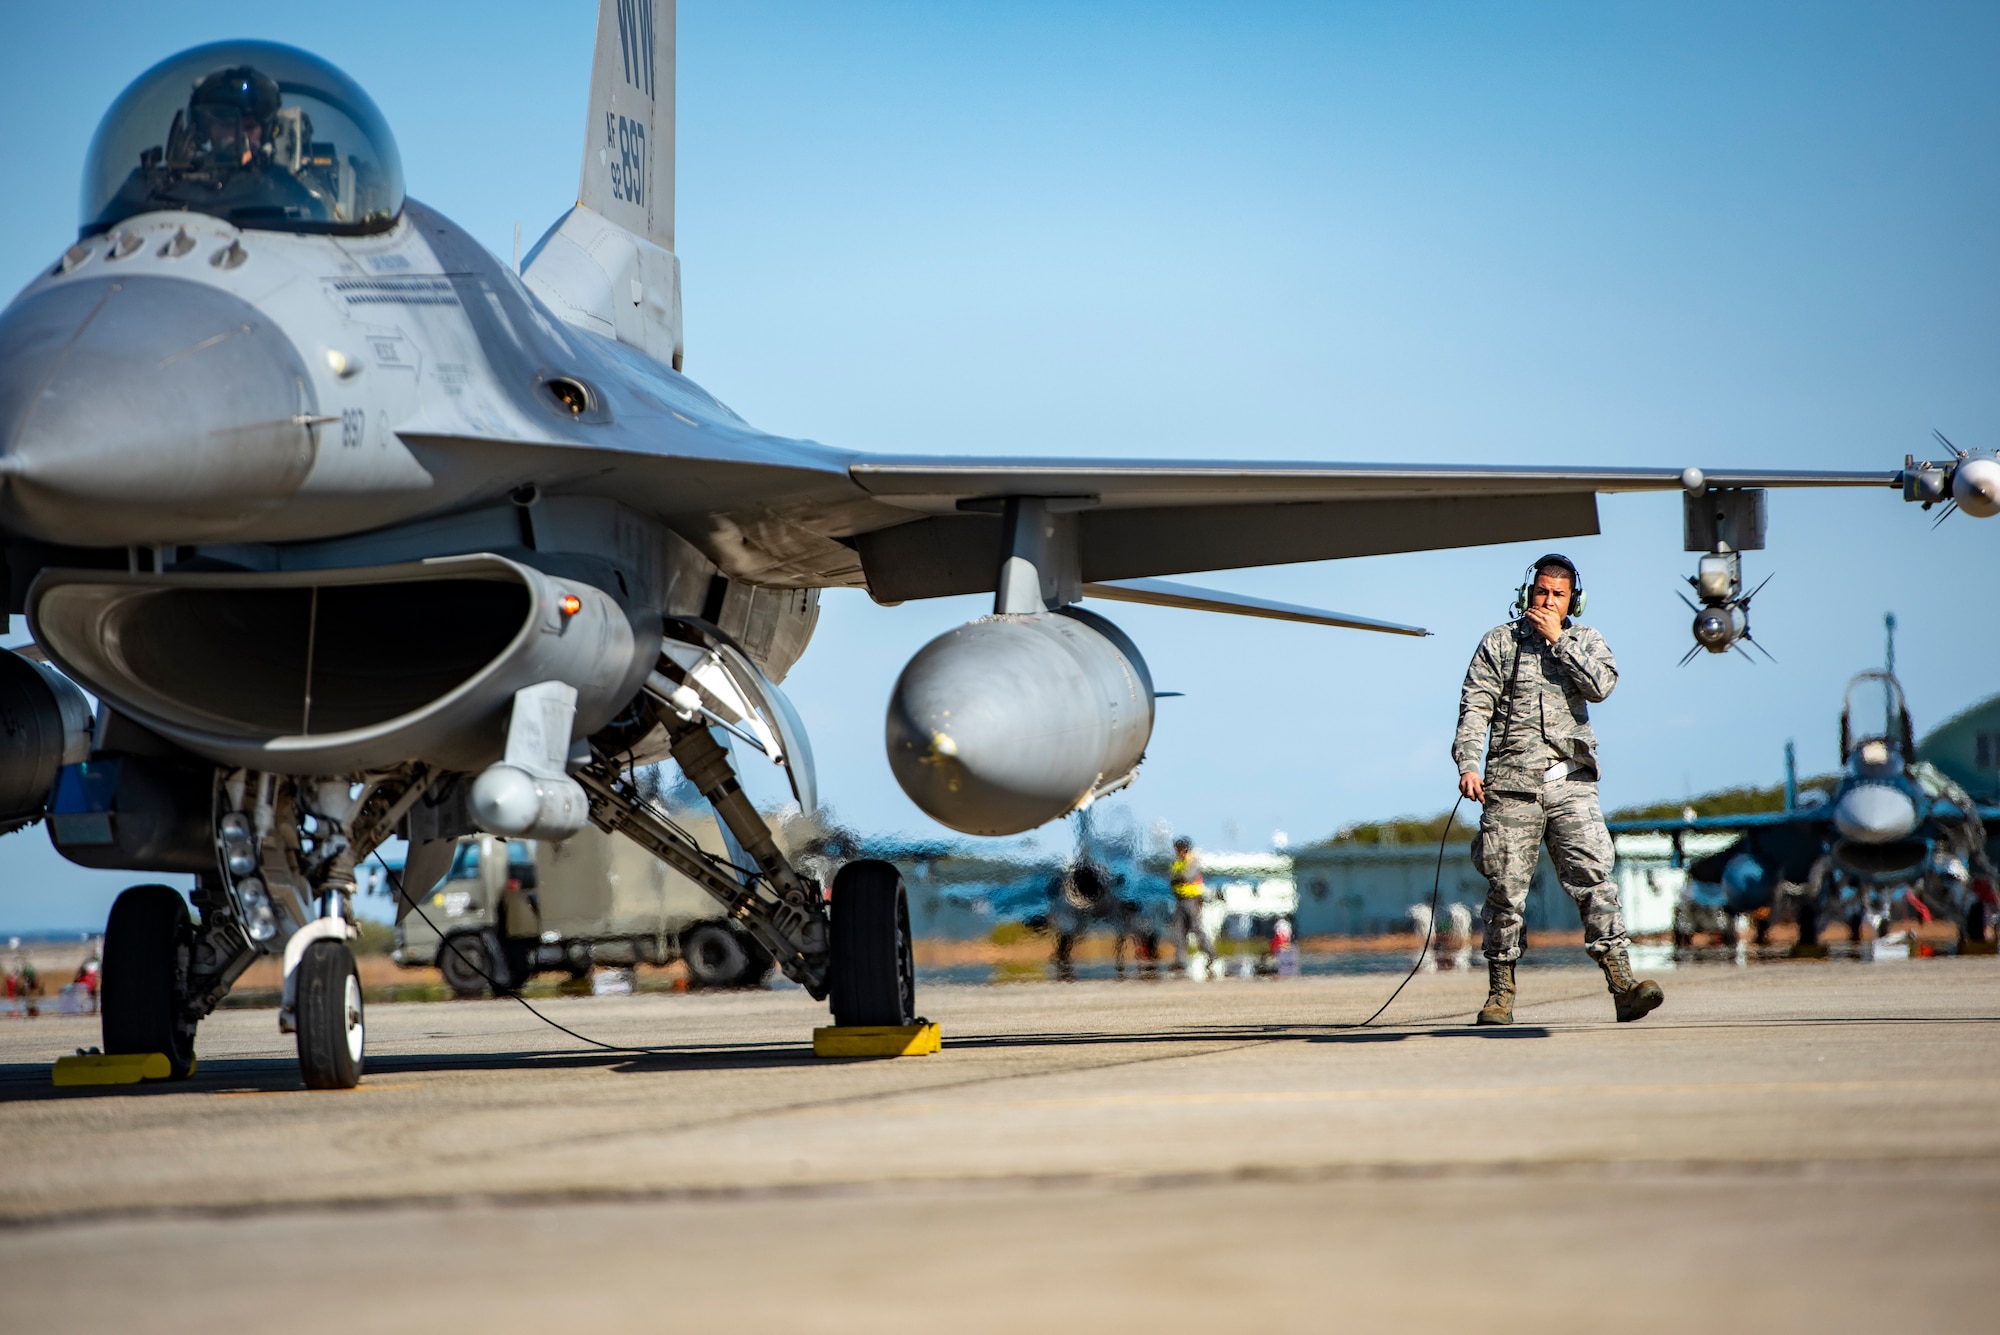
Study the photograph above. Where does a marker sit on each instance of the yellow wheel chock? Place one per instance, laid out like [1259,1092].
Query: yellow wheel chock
[876,1040]
[112,1068]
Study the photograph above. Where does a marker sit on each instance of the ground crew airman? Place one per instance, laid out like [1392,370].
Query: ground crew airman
[1190,893]
[1530,685]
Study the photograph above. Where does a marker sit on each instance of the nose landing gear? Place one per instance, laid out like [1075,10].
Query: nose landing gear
[329,1017]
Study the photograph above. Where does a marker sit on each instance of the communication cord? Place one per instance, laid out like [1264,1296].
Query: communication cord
[1437,882]
[1430,929]
[498,990]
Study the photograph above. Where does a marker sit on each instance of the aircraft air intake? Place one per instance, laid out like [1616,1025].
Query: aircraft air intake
[1011,721]
[334,671]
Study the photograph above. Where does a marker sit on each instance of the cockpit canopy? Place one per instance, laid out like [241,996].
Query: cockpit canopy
[258,134]
[1866,743]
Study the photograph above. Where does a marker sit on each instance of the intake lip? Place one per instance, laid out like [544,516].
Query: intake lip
[1875,813]
[338,671]
[142,410]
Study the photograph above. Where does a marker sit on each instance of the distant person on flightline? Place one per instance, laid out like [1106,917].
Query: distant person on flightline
[1531,683]
[1189,895]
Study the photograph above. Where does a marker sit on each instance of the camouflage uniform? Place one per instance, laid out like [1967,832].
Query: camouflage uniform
[1534,696]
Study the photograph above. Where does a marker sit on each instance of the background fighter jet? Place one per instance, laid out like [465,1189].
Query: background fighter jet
[1893,828]
[268,410]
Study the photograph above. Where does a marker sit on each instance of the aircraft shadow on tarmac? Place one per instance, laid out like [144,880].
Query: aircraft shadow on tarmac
[29,1081]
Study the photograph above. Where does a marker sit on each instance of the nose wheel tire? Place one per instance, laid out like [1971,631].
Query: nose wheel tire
[148,943]
[331,1031]
[871,979]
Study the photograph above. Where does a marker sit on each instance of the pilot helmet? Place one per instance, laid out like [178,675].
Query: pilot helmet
[230,114]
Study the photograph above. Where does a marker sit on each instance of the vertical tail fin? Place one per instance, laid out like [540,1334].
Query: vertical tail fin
[628,147]
[608,265]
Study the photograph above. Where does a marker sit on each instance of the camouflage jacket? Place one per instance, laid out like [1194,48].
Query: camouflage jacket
[1535,697]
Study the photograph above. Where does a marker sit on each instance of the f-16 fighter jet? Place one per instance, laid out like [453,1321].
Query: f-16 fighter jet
[354,531]
[1893,827]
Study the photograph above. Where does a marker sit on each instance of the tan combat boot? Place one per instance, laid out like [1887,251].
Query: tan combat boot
[1631,997]
[1499,1007]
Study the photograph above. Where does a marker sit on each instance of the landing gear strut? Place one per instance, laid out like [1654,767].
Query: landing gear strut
[853,952]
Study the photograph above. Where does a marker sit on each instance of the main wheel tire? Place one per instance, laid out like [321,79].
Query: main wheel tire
[464,962]
[872,980]
[148,942]
[328,1010]
[714,955]
[1975,921]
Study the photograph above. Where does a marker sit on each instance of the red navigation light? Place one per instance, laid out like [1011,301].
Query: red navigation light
[571,604]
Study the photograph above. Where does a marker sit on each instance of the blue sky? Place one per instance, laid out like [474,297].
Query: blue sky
[1585,234]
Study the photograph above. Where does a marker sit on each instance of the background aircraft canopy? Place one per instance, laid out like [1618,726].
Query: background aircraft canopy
[1875,723]
[255,133]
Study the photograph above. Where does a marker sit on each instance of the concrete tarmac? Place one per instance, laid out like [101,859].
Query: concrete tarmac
[1794,1146]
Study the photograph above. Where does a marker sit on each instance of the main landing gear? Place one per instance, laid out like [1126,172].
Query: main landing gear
[871,978]
[148,949]
[850,947]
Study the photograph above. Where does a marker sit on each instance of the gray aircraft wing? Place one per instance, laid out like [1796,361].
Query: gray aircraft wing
[1738,824]
[793,513]
[1764,820]
[1141,518]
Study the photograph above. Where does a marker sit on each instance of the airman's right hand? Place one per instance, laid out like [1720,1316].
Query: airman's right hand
[1472,786]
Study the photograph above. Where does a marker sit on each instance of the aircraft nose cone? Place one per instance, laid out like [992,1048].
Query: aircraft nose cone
[143,410]
[1975,485]
[1875,813]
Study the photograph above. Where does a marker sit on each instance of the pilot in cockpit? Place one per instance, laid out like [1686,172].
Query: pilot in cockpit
[226,118]
[236,153]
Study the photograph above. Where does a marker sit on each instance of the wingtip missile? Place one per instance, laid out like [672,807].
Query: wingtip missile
[1969,481]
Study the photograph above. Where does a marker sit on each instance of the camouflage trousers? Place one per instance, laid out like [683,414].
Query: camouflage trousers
[1512,827]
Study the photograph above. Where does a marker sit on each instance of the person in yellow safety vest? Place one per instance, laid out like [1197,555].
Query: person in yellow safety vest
[1190,934]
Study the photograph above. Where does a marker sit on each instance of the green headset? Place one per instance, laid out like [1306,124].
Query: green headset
[1576,594]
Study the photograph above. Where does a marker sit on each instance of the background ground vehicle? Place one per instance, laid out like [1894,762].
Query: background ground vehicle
[512,909]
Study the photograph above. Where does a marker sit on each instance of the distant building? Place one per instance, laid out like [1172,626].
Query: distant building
[1248,892]
[1650,882]
[1967,747]
[1367,889]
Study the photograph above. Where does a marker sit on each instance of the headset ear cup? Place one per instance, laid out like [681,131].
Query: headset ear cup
[1577,603]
